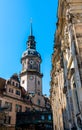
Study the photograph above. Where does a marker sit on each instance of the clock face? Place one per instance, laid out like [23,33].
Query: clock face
[31,62]
[31,77]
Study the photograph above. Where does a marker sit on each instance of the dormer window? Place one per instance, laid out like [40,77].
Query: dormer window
[8,82]
[13,83]
[17,85]
[17,92]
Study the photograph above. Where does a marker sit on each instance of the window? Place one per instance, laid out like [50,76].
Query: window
[35,66]
[18,108]
[28,44]
[38,93]
[42,117]
[23,82]
[7,120]
[38,102]
[17,85]
[49,117]
[38,82]
[30,66]
[13,83]
[17,92]
[8,82]
[27,109]
[9,105]
[10,90]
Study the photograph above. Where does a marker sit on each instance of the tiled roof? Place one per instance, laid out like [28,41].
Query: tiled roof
[15,77]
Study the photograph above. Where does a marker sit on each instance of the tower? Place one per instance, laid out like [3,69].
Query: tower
[30,76]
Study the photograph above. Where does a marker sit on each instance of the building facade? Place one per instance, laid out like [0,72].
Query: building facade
[23,92]
[66,74]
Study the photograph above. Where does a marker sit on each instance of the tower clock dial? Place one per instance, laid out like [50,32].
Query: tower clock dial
[31,62]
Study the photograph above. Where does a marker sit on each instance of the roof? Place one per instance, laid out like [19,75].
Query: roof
[31,52]
[15,77]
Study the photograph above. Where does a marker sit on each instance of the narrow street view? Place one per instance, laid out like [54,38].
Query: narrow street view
[44,90]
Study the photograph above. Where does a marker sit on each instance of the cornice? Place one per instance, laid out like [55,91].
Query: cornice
[75,2]
[30,57]
[31,72]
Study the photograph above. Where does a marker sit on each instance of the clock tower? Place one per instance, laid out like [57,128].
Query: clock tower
[30,76]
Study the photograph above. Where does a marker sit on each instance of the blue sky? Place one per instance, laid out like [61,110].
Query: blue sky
[14,31]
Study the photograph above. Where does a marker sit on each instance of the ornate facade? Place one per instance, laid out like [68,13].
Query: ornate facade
[66,74]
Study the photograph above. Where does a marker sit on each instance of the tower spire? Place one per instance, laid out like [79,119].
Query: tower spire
[31,44]
[31,31]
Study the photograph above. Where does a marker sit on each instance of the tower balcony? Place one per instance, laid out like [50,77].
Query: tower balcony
[31,71]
